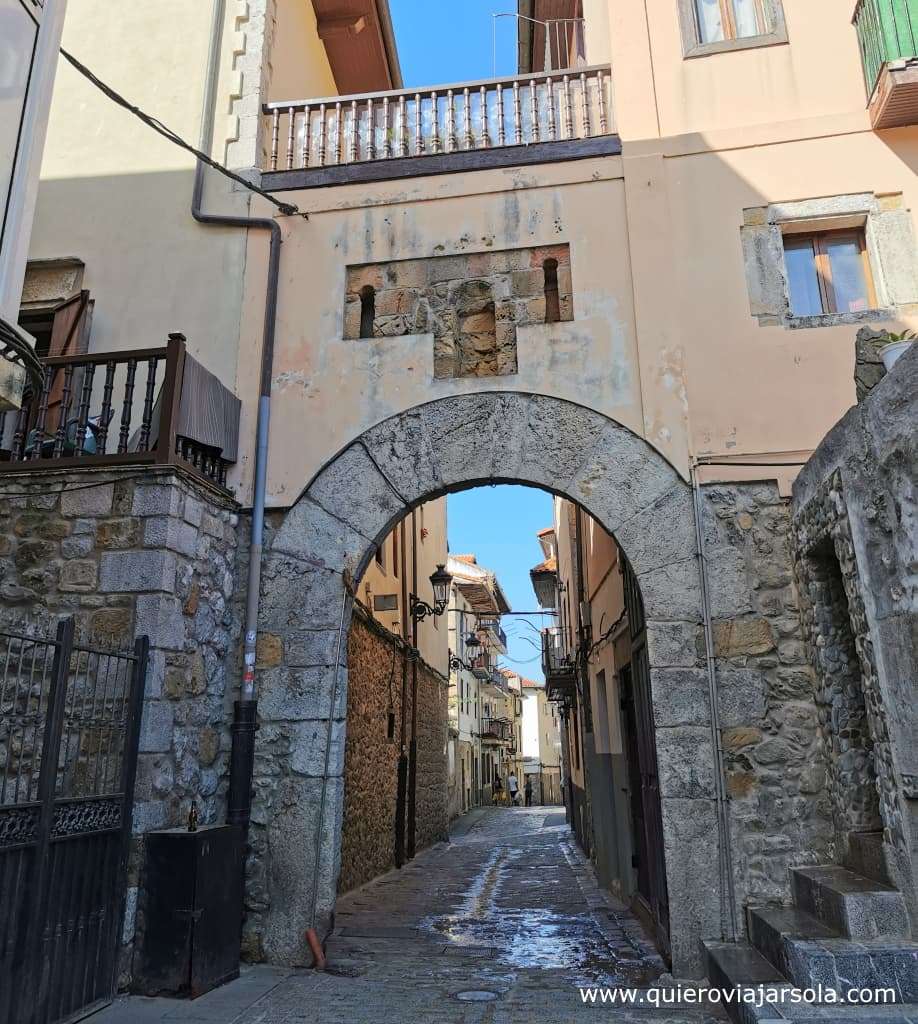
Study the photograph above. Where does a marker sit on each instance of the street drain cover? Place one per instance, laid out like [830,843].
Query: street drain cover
[477,996]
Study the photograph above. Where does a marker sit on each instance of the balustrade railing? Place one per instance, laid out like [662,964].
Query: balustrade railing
[495,728]
[887,30]
[497,112]
[106,408]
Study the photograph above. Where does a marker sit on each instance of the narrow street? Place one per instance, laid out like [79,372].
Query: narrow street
[502,924]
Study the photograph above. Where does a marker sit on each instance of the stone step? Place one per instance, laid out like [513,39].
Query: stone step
[866,857]
[810,954]
[737,966]
[855,906]
[732,965]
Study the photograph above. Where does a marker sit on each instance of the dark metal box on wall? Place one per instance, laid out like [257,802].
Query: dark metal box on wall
[192,907]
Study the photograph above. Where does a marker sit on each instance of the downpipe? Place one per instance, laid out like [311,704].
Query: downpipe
[728,919]
[242,755]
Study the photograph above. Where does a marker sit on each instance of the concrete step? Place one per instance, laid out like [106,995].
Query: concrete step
[855,906]
[811,954]
[866,857]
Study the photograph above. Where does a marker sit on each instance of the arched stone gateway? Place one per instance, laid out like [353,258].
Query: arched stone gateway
[322,547]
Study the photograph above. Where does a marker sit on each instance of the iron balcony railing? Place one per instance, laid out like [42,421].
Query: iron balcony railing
[887,30]
[106,409]
[496,728]
[557,660]
[492,113]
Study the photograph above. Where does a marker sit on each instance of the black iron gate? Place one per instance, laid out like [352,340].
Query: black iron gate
[69,729]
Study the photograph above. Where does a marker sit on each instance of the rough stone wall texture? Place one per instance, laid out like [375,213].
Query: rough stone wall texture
[774,764]
[371,759]
[128,553]
[857,500]
[471,304]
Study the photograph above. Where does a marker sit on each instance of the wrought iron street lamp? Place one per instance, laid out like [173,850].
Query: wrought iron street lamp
[440,580]
[456,663]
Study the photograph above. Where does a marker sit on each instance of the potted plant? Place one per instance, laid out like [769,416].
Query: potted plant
[895,345]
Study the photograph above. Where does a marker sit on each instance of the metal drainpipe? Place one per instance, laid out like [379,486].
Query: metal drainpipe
[729,922]
[242,757]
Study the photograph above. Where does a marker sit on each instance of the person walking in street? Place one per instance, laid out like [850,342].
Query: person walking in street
[513,788]
[527,791]
[497,791]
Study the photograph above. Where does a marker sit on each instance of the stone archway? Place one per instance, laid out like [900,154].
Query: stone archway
[322,547]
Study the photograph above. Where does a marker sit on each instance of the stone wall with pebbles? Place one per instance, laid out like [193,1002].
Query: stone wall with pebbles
[855,531]
[775,767]
[129,553]
[471,304]
[375,666]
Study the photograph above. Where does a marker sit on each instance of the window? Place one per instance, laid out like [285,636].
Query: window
[730,19]
[828,273]
[367,310]
[712,26]
[380,557]
[552,300]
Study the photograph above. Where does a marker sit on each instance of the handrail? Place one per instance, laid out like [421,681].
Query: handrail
[441,90]
[489,113]
[128,414]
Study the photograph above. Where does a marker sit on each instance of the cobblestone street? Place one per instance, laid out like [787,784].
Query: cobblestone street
[501,925]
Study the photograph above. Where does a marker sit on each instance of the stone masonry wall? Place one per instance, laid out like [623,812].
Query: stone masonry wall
[856,507]
[371,759]
[780,813]
[471,304]
[128,553]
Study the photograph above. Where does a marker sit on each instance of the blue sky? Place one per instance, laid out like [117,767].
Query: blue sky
[441,41]
[499,526]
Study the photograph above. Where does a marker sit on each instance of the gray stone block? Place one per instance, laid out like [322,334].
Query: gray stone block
[159,499]
[88,501]
[621,476]
[401,449]
[193,510]
[672,591]
[741,696]
[662,533]
[313,535]
[307,748]
[559,438]
[148,815]
[132,571]
[353,490]
[314,648]
[159,616]
[685,760]
[299,695]
[169,532]
[294,592]
[680,697]
[675,644]
[156,727]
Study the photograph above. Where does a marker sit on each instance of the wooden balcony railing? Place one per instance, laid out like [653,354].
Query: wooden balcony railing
[887,33]
[493,113]
[495,728]
[107,409]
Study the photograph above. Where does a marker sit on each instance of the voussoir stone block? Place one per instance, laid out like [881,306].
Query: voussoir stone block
[401,448]
[354,491]
[312,534]
[457,429]
[664,532]
[558,440]
[294,594]
[621,476]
